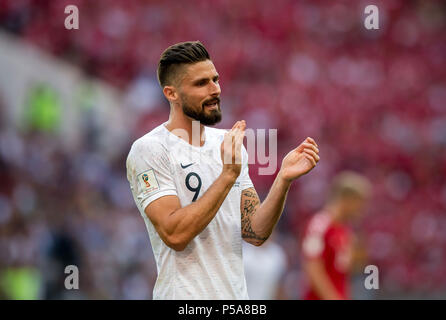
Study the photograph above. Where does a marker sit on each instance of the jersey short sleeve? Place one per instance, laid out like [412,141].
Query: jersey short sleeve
[245,180]
[149,173]
[313,244]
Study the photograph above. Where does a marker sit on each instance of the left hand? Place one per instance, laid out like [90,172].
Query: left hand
[300,160]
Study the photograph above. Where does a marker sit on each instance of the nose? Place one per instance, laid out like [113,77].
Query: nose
[215,89]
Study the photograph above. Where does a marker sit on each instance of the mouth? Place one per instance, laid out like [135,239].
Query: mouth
[212,104]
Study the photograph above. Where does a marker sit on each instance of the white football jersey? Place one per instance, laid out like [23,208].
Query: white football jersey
[211,266]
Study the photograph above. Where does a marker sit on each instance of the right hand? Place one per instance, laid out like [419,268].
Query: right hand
[231,154]
[300,160]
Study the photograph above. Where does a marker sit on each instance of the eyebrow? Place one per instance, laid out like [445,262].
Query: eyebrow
[216,77]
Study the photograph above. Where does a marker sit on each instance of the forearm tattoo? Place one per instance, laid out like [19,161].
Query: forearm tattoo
[250,204]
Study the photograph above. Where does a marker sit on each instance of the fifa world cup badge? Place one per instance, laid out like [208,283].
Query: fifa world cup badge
[145,178]
[148,182]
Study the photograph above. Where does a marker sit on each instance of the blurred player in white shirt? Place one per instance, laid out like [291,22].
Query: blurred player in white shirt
[264,269]
[194,193]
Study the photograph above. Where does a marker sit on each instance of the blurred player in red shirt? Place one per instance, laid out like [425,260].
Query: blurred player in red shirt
[328,243]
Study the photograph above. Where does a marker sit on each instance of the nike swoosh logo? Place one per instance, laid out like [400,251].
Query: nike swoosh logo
[184,167]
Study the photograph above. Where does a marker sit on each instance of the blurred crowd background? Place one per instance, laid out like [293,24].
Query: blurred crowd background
[374,100]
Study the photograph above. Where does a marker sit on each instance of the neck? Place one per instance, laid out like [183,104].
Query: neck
[184,128]
[335,211]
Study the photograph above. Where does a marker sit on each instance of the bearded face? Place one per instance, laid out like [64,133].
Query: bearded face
[199,92]
[208,112]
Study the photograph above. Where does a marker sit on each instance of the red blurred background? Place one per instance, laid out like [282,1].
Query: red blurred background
[374,100]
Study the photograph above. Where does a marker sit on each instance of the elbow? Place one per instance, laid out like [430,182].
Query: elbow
[258,243]
[176,243]
[255,242]
[178,247]
[260,238]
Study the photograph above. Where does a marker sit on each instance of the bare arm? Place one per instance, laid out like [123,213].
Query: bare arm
[177,226]
[258,220]
[320,281]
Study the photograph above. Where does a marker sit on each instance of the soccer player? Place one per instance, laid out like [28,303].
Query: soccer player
[264,269]
[198,212]
[328,244]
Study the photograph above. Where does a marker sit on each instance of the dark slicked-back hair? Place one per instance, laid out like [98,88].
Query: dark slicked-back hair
[177,55]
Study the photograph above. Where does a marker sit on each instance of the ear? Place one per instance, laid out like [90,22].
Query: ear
[170,93]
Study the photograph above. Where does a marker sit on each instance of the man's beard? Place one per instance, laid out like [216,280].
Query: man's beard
[208,118]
